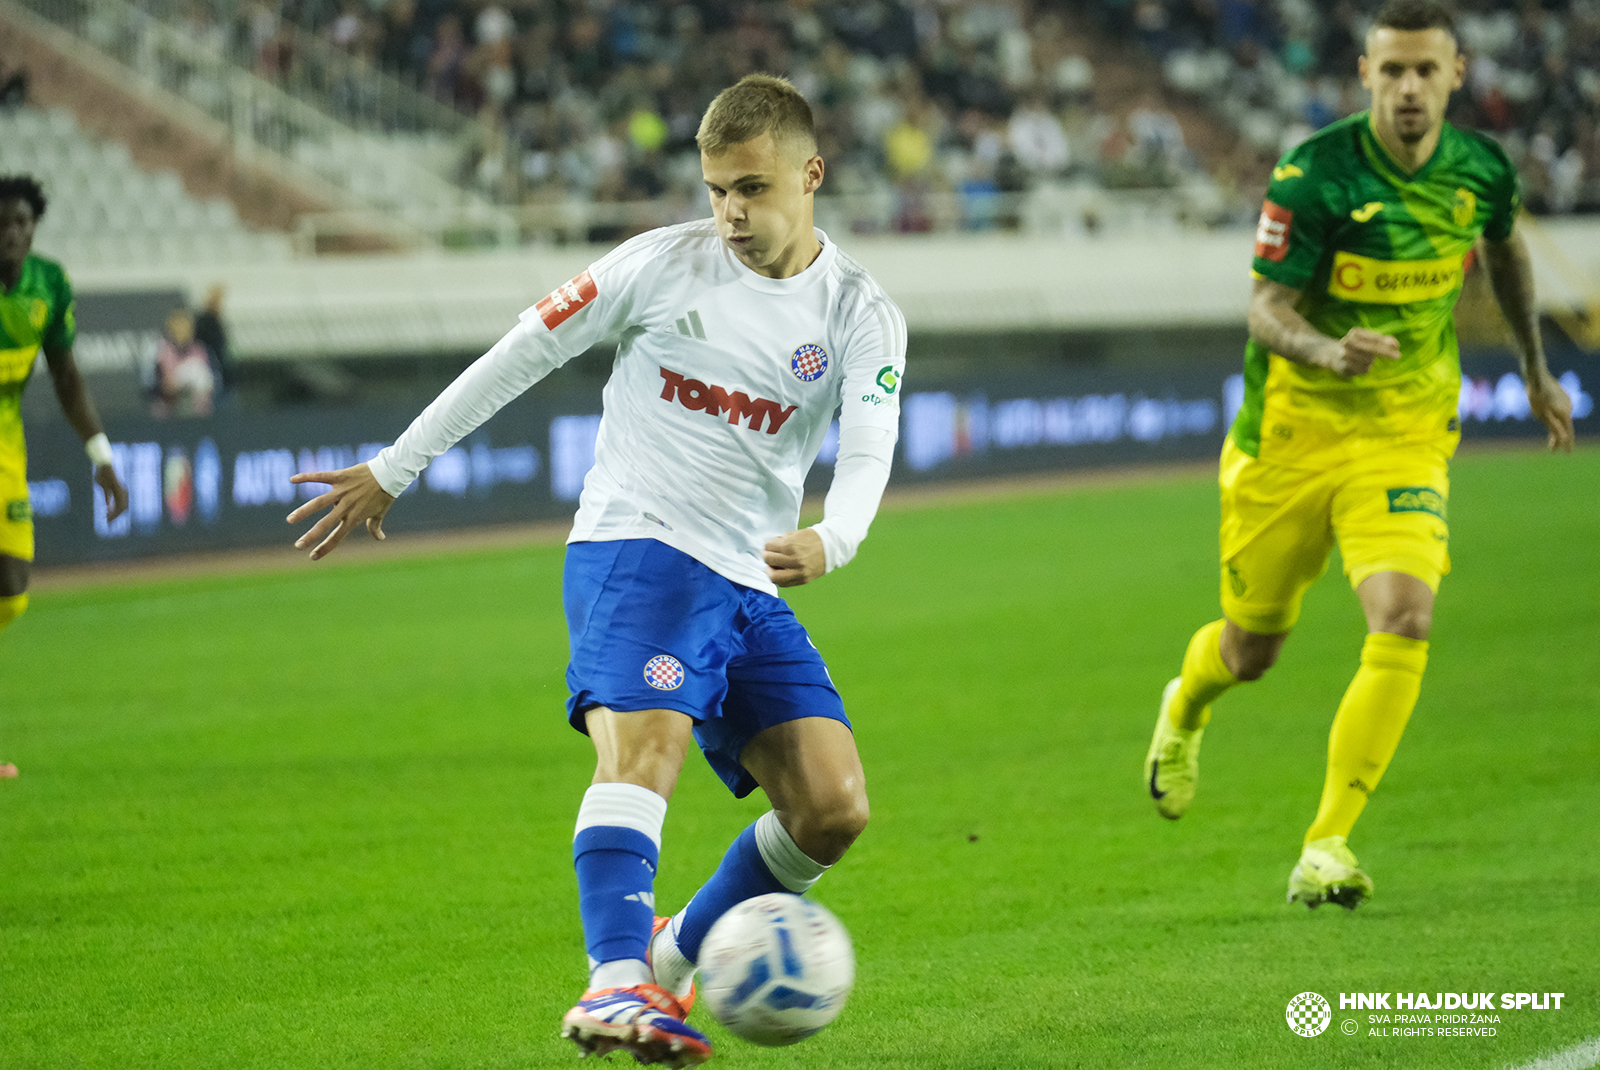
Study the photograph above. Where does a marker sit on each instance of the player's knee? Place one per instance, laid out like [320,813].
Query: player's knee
[14,576]
[1411,621]
[1254,666]
[832,823]
[1251,660]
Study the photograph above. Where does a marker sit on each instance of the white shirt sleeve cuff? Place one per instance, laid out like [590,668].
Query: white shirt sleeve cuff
[391,479]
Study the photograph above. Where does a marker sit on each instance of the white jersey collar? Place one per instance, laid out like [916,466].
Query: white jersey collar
[817,269]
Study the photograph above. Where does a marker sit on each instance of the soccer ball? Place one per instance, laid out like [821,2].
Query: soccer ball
[776,969]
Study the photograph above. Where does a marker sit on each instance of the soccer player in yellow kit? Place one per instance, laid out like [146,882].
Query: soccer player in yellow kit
[35,315]
[1352,380]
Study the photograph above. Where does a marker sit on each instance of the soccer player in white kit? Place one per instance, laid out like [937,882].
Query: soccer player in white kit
[741,336]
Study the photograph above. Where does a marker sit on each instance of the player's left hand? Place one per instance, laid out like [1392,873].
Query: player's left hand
[795,558]
[1549,402]
[116,495]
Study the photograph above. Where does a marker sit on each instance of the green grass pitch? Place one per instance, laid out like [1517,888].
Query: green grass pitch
[322,819]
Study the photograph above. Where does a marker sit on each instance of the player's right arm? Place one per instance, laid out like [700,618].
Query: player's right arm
[1298,223]
[575,316]
[1276,324]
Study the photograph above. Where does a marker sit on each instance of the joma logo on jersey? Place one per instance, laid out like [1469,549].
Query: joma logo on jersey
[1393,282]
[1272,233]
[697,396]
[566,299]
[1417,500]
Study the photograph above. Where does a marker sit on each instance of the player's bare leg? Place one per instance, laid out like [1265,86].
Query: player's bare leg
[812,775]
[1220,655]
[1366,731]
[811,772]
[1249,655]
[639,755]
[14,575]
[643,747]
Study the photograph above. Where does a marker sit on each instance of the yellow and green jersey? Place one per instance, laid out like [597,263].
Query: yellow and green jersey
[36,314]
[1370,246]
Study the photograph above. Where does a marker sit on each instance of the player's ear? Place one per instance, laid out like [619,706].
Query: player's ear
[1362,69]
[1461,71]
[813,171]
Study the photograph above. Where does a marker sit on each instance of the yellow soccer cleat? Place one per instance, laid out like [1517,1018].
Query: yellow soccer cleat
[1327,873]
[1172,768]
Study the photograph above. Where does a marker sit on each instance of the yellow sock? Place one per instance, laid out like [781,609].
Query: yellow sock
[12,608]
[1205,676]
[1367,728]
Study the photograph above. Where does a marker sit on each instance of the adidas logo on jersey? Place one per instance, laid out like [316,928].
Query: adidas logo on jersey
[697,396]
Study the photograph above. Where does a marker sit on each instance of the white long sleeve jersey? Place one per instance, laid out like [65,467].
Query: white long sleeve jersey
[723,389]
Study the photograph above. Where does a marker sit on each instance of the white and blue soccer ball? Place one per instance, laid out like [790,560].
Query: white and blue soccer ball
[776,969]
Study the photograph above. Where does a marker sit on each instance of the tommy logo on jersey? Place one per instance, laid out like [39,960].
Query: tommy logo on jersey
[697,396]
[809,362]
[567,299]
[664,672]
[1272,233]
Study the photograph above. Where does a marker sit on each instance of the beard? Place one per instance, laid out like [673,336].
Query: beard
[1411,128]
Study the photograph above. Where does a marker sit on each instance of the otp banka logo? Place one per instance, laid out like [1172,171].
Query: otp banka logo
[1308,1014]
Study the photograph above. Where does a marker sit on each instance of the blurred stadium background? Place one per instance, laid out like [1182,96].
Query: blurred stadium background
[320,817]
[1060,195]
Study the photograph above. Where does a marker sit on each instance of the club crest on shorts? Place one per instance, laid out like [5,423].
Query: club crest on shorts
[809,362]
[664,672]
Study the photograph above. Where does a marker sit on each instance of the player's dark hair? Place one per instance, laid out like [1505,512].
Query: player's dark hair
[757,104]
[1414,15]
[24,188]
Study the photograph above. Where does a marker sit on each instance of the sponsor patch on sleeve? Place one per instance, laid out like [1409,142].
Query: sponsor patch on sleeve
[567,299]
[1272,233]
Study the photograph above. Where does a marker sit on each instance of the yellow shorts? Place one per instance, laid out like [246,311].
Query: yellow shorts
[1387,512]
[16,516]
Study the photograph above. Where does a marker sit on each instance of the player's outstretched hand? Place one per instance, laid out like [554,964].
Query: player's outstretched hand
[116,495]
[353,497]
[1550,403]
[1353,354]
[795,558]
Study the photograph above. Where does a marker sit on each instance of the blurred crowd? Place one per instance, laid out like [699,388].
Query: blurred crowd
[601,98]
[1279,69]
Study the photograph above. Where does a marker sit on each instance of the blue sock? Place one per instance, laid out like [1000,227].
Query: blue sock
[742,875]
[616,877]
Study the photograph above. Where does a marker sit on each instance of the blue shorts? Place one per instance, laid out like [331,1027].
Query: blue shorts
[651,628]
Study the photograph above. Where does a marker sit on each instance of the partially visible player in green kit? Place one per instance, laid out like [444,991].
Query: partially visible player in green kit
[35,314]
[1352,382]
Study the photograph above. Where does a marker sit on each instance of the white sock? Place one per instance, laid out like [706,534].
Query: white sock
[620,973]
[795,869]
[673,971]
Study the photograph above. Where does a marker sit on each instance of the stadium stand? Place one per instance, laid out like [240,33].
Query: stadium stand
[918,99]
[106,210]
[1048,118]
[1276,71]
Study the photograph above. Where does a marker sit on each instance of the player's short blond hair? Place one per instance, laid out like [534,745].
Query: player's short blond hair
[758,104]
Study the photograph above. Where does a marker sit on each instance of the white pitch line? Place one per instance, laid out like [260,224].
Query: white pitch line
[1582,1056]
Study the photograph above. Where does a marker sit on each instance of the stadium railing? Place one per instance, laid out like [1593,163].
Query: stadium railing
[259,118]
[1048,210]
